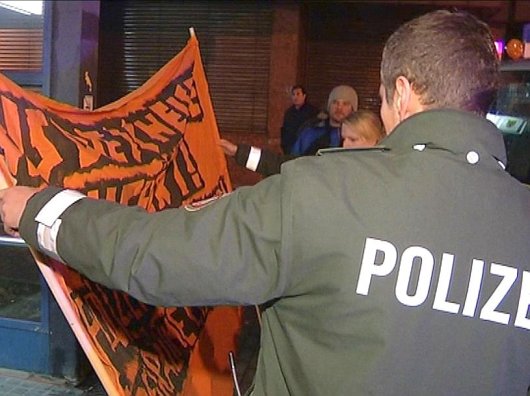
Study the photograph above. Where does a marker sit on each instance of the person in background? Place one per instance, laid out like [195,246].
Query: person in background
[295,116]
[399,271]
[342,101]
[361,129]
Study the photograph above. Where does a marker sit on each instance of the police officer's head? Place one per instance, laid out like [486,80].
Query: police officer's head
[442,59]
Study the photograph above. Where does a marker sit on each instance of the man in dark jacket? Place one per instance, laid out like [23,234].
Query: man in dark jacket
[401,270]
[295,116]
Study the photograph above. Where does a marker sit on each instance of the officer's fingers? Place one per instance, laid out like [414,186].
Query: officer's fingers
[8,228]
[12,204]
[11,231]
[228,147]
[4,215]
[2,205]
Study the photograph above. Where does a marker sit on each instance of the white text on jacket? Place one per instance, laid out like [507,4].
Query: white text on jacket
[509,277]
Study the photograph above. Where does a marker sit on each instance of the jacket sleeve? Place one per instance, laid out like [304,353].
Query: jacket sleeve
[266,163]
[228,252]
[300,144]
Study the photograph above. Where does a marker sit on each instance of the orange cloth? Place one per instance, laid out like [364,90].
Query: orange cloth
[157,148]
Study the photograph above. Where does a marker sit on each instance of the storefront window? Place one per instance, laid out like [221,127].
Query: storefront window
[21,47]
[20,291]
[21,39]
[511,114]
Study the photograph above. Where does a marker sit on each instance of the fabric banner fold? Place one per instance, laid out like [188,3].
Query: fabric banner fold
[157,148]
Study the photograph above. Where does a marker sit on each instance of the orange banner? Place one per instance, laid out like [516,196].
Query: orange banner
[157,148]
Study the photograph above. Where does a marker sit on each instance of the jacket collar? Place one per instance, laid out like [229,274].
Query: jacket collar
[456,131]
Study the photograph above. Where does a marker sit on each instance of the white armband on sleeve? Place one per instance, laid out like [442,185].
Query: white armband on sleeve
[49,221]
[253,158]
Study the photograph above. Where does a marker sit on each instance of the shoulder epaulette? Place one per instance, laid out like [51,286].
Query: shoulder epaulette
[332,150]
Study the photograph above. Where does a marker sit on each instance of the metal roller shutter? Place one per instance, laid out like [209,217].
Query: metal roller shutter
[138,38]
[344,46]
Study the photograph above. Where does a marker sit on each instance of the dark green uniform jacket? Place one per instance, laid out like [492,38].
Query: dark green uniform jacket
[403,271]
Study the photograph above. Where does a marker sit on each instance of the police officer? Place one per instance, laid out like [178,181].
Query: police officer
[401,270]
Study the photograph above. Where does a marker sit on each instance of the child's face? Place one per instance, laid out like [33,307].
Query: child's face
[351,138]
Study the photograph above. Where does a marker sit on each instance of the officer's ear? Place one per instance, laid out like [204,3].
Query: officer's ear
[406,102]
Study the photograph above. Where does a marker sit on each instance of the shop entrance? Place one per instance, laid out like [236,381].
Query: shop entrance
[24,309]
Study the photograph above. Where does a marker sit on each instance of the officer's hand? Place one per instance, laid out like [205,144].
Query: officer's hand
[12,204]
[228,147]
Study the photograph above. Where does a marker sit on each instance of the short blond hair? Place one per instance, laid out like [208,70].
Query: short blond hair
[367,123]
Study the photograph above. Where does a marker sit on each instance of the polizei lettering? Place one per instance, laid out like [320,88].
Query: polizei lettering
[380,259]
